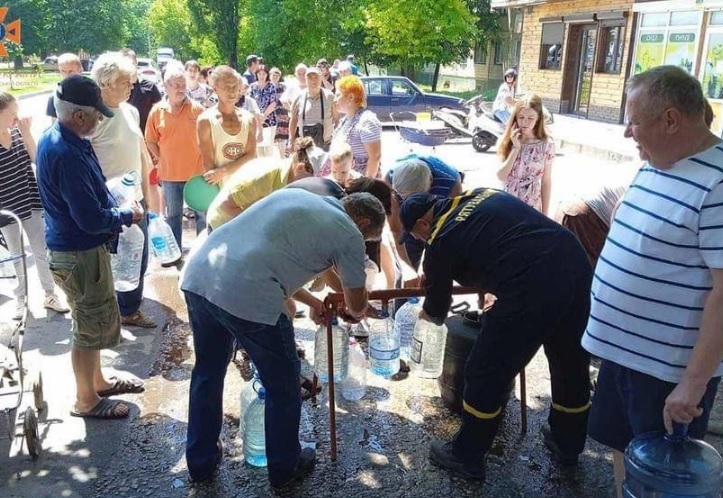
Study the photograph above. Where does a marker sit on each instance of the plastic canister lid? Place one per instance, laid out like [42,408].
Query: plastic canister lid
[261,392]
[413,300]
[152,215]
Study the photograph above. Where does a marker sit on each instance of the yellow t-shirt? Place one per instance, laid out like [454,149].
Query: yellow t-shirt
[254,181]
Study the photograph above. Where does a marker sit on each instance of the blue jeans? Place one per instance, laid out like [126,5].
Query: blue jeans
[273,351]
[129,302]
[503,115]
[173,195]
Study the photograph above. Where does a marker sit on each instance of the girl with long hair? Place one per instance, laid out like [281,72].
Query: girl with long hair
[527,154]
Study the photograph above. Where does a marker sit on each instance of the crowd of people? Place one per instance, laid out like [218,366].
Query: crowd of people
[303,198]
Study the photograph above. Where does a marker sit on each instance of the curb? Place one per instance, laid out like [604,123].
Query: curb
[33,94]
[594,151]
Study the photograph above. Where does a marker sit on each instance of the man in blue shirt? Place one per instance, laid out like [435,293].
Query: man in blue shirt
[80,219]
[492,241]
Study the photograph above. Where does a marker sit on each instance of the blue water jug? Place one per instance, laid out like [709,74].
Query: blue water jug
[660,465]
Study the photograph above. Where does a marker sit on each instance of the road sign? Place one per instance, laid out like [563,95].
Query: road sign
[9,32]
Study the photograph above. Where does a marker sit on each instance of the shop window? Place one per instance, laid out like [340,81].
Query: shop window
[480,53]
[612,43]
[667,38]
[716,18]
[654,20]
[551,47]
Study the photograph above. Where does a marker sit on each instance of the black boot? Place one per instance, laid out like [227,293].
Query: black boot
[442,455]
[307,460]
[564,458]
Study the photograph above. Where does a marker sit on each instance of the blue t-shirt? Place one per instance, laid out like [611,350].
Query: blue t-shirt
[80,213]
[444,176]
[253,263]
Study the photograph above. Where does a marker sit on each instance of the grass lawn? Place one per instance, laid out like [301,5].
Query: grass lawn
[44,81]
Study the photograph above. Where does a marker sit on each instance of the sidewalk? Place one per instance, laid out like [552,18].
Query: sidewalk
[593,138]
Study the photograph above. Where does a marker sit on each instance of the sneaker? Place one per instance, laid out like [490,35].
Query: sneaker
[53,303]
[307,460]
[442,455]
[566,459]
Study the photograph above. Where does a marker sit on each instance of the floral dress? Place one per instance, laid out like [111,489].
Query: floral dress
[282,115]
[264,98]
[525,179]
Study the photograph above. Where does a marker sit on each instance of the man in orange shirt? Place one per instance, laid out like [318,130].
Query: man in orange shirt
[171,136]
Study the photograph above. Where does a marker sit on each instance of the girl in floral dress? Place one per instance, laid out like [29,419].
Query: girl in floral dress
[527,155]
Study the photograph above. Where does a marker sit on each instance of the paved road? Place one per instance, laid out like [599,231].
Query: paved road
[383,438]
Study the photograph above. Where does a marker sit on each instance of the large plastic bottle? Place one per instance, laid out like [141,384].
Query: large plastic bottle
[659,465]
[427,356]
[354,387]
[341,352]
[123,189]
[383,346]
[405,321]
[255,432]
[162,242]
[126,263]
[248,394]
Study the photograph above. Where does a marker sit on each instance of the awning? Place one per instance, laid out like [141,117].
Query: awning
[675,5]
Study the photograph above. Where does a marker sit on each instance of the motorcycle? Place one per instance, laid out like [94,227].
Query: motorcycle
[479,123]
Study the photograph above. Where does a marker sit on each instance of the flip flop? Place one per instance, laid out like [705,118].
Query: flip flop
[122,386]
[307,389]
[105,408]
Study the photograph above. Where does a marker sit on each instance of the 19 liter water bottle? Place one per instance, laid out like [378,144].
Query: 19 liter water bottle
[404,321]
[162,242]
[428,344]
[383,346]
[248,394]
[340,342]
[354,387]
[255,432]
[659,465]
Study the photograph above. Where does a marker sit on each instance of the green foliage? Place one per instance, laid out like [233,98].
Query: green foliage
[220,20]
[170,23]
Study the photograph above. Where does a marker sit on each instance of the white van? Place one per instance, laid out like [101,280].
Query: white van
[163,55]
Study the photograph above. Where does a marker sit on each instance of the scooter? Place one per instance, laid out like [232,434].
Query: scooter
[483,128]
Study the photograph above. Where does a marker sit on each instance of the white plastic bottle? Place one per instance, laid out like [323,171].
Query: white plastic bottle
[254,431]
[123,189]
[341,352]
[126,262]
[404,323]
[383,347]
[354,386]
[162,242]
[428,346]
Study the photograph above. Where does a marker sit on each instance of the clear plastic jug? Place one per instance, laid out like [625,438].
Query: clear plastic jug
[255,432]
[383,346]
[354,387]
[660,465]
[428,343]
[162,242]
[404,322]
[123,189]
[126,263]
[340,339]
[248,394]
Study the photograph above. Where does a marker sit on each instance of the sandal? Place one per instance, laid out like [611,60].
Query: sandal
[105,408]
[122,386]
[138,319]
[307,388]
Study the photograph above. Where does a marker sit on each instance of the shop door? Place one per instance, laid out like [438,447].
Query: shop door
[585,67]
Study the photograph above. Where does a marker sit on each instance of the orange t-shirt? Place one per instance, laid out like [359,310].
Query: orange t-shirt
[176,137]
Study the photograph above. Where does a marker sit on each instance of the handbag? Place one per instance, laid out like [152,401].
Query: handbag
[315,131]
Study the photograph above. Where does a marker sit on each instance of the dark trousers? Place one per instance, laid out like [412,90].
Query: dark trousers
[129,302]
[273,351]
[549,311]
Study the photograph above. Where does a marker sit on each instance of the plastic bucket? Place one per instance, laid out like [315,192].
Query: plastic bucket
[199,194]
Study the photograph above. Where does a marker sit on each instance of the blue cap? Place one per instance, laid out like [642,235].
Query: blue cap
[414,207]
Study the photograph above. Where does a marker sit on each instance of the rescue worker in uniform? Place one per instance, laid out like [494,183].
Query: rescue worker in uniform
[490,240]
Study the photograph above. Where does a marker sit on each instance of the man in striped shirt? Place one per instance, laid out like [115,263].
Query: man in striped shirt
[657,294]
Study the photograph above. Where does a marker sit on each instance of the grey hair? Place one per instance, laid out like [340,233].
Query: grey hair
[300,66]
[411,176]
[174,71]
[65,110]
[111,66]
[669,86]
[69,58]
[243,81]
[365,205]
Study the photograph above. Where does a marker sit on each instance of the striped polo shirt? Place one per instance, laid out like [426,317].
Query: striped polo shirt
[653,277]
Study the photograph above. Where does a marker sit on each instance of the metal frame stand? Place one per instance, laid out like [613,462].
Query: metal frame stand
[336,298]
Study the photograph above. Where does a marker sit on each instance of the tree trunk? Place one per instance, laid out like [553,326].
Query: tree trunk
[408,71]
[435,77]
[18,62]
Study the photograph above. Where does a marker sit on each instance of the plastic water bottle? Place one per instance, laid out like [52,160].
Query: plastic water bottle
[163,243]
[126,263]
[383,347]
[354,387]
[248,394]
[659,465]
[404,322]
[255,431]
[123,189]
[427,355]
[340,339]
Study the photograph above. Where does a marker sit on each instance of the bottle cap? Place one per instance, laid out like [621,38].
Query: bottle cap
[262,393]
[152,215]
[413,300]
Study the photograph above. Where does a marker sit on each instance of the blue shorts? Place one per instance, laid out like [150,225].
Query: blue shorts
[628,403]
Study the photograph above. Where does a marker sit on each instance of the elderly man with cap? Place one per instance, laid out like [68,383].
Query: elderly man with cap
[80,218]
[314,113]
[490,240]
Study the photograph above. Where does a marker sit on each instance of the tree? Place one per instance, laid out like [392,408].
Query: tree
[220,19]
[171,26]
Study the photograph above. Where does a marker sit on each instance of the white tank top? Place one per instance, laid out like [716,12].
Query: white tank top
[228,147]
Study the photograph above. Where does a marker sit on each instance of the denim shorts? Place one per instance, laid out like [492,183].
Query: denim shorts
[87,280]
[628,403]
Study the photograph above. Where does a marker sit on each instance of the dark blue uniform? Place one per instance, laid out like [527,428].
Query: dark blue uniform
[539,272]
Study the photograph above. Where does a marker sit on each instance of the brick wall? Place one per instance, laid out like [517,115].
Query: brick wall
[606,97]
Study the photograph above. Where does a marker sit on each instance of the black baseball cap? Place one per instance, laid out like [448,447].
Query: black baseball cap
[81,90]
[414,207]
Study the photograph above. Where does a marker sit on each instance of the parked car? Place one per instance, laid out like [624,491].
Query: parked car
[387,94]
[164,55]
[50,63]
[148,69]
